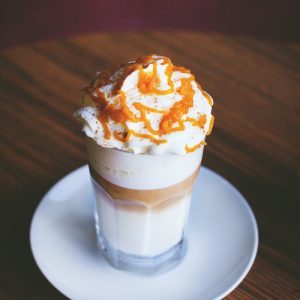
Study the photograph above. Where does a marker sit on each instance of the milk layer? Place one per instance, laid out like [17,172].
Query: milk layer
[150,226]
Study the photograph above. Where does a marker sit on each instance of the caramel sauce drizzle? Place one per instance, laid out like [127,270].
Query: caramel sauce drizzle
[180,108]
[147,84]
[211,125]
[142,108]
[181,69]
[96,96]
[126,136]
[201,122]
[147,136]
[130,115]
[207,97]
[121,136]
[192,149]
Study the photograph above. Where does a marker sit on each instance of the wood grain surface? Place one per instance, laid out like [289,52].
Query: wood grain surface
[255,142]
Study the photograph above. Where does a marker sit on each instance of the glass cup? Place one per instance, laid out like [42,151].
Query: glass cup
[142,206]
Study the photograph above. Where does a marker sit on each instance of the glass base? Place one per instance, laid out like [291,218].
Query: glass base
[142,264]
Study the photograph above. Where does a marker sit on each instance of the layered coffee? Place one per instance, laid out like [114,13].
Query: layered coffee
[146,123]
[142,209]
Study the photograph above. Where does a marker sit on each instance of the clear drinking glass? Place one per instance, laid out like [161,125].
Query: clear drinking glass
[142,206]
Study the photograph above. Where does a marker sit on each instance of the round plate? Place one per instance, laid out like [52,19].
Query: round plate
[222,244]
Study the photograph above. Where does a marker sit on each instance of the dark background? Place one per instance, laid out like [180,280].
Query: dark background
[31,20]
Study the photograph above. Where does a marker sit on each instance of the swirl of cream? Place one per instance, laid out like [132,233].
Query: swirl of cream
[147,106]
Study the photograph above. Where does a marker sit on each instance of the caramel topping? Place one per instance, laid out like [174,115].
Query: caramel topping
[120,136]
[181,69]
[201,122]
[148,83]
[146,60]
[96,96]
[192,120]
[116,114]
[119,73]
[192,149]
[119,115]
[180,127]
[211,125]
[143,108]
[207,97]
[126,136]
[147,136]
[169,71]
[180,108]
[130,115]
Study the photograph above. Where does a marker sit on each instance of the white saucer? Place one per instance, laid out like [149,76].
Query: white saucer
[222,244]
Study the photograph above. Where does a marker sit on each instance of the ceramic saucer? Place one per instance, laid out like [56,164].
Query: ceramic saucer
[222,243]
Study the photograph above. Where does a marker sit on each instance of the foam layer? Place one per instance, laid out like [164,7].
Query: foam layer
[141,171]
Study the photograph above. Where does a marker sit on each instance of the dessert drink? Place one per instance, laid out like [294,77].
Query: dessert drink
[146,123]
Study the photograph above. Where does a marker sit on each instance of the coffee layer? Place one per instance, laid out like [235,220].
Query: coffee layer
[149,198]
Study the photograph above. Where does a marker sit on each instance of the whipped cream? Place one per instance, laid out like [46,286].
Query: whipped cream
[147,106]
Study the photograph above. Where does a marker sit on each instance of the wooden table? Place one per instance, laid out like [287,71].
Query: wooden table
[255,142]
